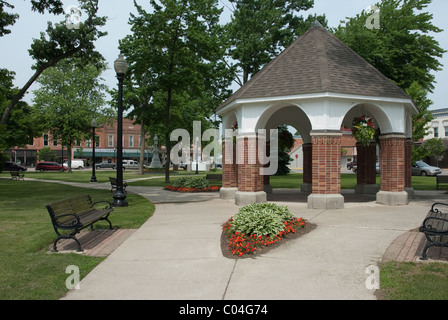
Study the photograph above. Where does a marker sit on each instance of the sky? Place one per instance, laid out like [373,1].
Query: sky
[14,47]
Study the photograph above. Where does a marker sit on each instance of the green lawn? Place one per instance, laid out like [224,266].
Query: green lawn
[414,281]
[28,270]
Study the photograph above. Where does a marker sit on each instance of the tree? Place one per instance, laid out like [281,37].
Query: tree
[68,99]
[401,48]
[261,29]
[285,143]
[20,127]
[60,43]
[8,19]
[180,42]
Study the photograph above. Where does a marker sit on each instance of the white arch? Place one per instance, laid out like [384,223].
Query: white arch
[286,113]
[380,116]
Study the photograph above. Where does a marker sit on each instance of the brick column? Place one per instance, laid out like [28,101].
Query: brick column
[307,184]
[229,172]
[250,182]
[366,171]
[392,165]
[408,145]
[326,171]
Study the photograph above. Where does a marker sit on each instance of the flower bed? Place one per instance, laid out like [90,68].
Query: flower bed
[188,189]
[190,184]
[263,225]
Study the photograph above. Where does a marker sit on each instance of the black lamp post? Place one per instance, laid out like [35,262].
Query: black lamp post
[120,66]
[93,125]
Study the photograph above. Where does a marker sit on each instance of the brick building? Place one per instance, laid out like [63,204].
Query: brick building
[105,147]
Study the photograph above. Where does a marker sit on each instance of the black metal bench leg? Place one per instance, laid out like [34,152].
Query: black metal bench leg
[424,257]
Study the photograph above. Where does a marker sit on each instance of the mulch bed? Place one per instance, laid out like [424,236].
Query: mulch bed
[261,250]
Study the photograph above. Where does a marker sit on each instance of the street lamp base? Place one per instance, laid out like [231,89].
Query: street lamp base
[93,179]
[119,200]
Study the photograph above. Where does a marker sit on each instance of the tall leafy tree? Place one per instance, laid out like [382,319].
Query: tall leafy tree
[402,48]
[59,43]
[68,99]
[260,29]
[180,42]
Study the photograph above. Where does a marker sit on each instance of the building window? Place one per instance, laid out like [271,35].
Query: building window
[110,140]
[46,140]
[78,143]
[139,141]
[131,141]
[55,142]
[97,141]
[436,132]
[89,143]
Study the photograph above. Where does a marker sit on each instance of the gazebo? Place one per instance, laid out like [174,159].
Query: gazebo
[319,85]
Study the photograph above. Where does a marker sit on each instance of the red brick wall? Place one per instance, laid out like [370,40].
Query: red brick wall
[249,178]
[229,171]
[392,163]
[326,164]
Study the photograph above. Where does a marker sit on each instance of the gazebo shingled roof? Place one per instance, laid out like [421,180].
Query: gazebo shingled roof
[317,62]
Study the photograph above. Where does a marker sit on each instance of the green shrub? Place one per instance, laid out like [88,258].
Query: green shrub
[190,182]
[262,219]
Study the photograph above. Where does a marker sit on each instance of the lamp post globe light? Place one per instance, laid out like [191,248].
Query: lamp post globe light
[93,125]
[120,66]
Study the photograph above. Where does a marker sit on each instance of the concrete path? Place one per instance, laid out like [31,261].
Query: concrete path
[176,254]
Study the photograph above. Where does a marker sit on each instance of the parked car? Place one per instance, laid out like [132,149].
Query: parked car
[352,165]
[105,164]
[378,168]
[76,164]
[12,166]
[130,164]
[421,168]
[49,166]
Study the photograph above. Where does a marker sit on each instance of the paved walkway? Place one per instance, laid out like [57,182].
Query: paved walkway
[176,254]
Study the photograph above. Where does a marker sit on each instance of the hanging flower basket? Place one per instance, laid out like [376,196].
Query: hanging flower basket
[363,129]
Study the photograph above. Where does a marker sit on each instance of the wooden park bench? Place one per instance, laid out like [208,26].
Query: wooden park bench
[15,175]
[435,228]
[113,184]
[70,216]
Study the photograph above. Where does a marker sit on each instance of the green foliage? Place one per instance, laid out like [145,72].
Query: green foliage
[429,148]
[46,154]
[68,99]
[190,182]
[285,143]
[59,43]
[176,52]
[261,29]
[403,49]
[262,219]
